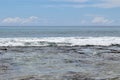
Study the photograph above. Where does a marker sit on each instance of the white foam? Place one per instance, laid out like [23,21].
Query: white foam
[60,41]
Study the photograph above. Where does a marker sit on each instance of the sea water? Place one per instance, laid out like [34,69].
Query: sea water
[37,36]
[33,53]
[42,31]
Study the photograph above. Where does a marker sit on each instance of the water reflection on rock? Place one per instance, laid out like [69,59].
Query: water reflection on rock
[60,63]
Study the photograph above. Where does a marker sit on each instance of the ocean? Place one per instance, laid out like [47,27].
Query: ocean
[37,31]
[35,53]
[36,36]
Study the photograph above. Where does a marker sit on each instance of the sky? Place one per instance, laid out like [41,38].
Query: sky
[59,12]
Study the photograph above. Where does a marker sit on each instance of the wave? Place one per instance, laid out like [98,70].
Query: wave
[60,41]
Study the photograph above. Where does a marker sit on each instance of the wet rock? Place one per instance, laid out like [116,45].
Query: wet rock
[115,51]
[111,56]
[48,77]
[29,78]
[1,52]
[71,61]
[118,45]
[52,44]
[63,58]
[43,77]
[76,76]
[5,49]
[5,60]
[100,48]
[17,50]
[88,46]
[3,67]
[79,52]
[115,78]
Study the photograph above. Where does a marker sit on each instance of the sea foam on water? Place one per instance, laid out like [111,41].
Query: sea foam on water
[60,41]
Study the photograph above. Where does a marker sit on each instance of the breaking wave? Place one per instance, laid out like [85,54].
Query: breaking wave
[60,41]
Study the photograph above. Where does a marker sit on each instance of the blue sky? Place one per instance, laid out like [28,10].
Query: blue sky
[59,12]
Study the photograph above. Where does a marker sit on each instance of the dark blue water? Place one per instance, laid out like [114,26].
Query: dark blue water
[31,31]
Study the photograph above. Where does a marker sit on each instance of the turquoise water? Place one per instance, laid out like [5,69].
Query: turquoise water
[31,31]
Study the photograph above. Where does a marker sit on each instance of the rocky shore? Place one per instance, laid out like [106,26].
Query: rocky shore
[60,62]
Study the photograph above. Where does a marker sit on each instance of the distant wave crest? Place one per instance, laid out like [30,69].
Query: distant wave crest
[60,41]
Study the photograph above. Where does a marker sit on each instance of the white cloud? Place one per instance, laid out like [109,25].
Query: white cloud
[20,20]
[97,20]
[101,20]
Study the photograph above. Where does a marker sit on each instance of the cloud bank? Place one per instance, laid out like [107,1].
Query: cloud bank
[19,20]
[99,20]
